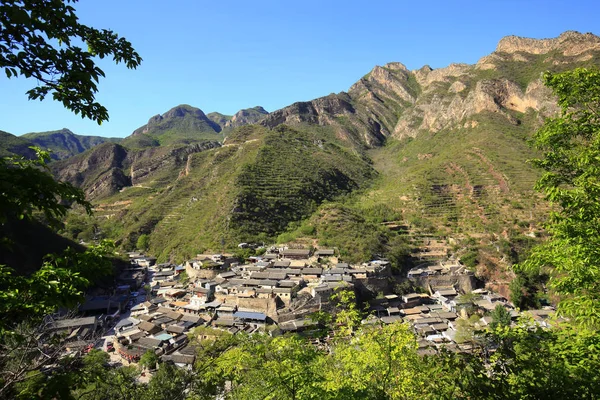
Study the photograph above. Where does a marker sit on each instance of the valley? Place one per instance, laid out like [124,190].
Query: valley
[428,233]
[441,153]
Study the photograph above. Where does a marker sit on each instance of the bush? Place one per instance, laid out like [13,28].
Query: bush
[143,242]
[469,259]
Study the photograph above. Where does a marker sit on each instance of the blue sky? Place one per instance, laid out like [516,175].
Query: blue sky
[227,55]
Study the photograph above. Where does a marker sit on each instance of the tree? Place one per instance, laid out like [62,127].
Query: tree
[41,40]
[570,144]
[531,362]
[261,367]
[347,313]
[149,360]
[500,317]
[143,242]
[26,187]
[379,363]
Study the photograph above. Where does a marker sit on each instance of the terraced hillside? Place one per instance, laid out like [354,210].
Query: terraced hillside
[249,189]
[293,173]
[440,152]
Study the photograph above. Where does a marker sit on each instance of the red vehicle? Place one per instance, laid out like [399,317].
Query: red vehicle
[88,348]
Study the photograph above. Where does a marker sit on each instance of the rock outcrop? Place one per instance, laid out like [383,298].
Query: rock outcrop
[246,116]
[393,101]
[569,43]
[109,168]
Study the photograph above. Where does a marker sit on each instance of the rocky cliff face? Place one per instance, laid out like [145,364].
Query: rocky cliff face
[569,44]
[393,101]
[335,110]
[110,167]
[247,117]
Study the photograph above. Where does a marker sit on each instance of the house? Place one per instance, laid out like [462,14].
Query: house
[299,263]
[264,293]
[249,317]
[391,319]
[177,329]
[336,270]
[174,315]
[131,353]
[149,327]
[227,275]
[226,310]
[143,308]
[267,283]
[448,293]
[324,253]
[284,294]
[96,305]
[445,315]
[180,360]
[259,275]
[281,264]
[131,335]
[411,311]
[494,297]
[126,324]
[149,343]
[409,297]
[200,294]
[83,326]
[288,284]
[416,273]
[393,311]
[358,273]
[297,325]
[312,274]
[296,254]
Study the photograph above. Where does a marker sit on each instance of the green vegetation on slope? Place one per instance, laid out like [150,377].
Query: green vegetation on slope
[13,145]
[183,124]
[250,189]
[64,143]
[293,173]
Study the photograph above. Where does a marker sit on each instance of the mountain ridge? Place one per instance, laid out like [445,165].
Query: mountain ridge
[447,149]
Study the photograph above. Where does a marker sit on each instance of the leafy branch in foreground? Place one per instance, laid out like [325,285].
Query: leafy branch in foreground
[570,144]
[27,186]
[41,40]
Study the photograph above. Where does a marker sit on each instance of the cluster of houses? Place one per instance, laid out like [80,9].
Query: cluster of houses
[435,317]
[215,294]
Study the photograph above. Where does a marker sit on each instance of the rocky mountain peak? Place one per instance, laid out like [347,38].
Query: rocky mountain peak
[396,66]
[570,43]
[427,75]
[174,116]
[182,110]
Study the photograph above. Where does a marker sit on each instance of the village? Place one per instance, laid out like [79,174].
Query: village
[158,307]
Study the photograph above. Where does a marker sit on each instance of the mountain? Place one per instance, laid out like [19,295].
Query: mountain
[64,143]
[219,119]
[183,124]
[243,117]
[108,168]
[14,145]
[246,116]
[439,154]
